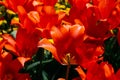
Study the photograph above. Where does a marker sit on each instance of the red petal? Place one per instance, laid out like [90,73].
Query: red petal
[44,43]
[56,34]
[9,39]
[22,13]
[34,16]
[77,31]
[1,70]
[118,74]
[105,7]
[81,72]
[49,2]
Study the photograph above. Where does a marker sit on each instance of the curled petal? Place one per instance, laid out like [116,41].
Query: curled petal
[9,39]
[34,17]
[105,7]
[77,30]
[108,70]
[56,33]
[22,13]
[81,72]
[44,43]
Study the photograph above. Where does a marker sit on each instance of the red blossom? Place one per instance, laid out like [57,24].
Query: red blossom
[66,39]
[102,71]
[13,4]
[79,36]
[105,7]
[27,35]
[9,68]
[49,2]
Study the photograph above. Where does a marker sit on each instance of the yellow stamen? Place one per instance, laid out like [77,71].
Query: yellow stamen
[3,21]
[10,11]
[112,31]
[51,40]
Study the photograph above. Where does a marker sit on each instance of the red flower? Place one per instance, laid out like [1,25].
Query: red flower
[105,7]
[49,2]
[96,17]
[78,4]
[9,68]
[27,36]
[13,4]
[88,53]
[114,18]
[111,13]
[95,26]
[66,39]
[48,16]
[102,71]
[69,39]
[77,11]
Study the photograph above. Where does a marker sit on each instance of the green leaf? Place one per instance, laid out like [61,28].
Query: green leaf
[44,75]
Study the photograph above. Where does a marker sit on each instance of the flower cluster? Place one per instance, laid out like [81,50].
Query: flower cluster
[39,34]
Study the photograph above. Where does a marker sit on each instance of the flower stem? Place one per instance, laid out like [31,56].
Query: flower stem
[68,66]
